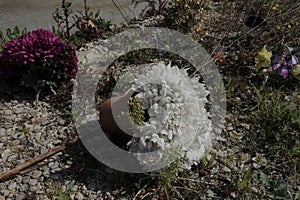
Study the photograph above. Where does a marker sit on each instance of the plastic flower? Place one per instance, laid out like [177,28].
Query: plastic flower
[281,65]
[41,48]
[263,58]
[178,121]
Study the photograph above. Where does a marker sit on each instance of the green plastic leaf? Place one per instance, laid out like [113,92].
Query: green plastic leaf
[24,31]
[9,34]
[16,31]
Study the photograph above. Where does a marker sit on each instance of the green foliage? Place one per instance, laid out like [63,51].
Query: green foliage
[136,110]
[277,186]
[78,28]
[276,122]
[11,35]
[241,183]
[59,193]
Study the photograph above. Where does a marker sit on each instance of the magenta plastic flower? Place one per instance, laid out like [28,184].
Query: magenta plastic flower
[42,48]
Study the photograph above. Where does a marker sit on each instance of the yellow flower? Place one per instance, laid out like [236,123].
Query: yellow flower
[296,71]
[275,7]
[263,58]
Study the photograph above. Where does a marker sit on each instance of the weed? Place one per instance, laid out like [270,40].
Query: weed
[277,120]
[58,192]
[23,131]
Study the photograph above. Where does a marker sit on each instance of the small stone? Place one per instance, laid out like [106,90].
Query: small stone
[53,171]
[74,188]
[40,120]
[55,142]
[12,157]
[2,132]
[226,169]
[246,126]
[8,112]
[7,104]
[46,173]
[2,198]
[72,196]
[53,165]
[23,188]
[19,111]
[79,196]
[38,136]
[12,186]
[6,193]
[20,197]
[210,193]
[255,190]
[26,179]
[19,179]
[36,174]
[43,150]
[16,142]
[5,154]
[229,128]
[61,122]
[36,128]
[33,181]
[44,123]
[33,188]
[40,192]
[221,139]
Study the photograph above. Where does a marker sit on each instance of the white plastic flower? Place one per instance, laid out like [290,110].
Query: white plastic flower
[178,120]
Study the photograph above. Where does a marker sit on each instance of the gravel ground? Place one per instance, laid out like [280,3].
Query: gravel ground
[28,131]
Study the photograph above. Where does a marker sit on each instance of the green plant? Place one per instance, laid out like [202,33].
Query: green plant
[278,187]
[58,192]
[62,19]
[276,122]
[241,183]
[81,27]
[23,131]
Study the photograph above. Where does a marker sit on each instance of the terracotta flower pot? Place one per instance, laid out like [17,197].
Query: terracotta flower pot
[112,121]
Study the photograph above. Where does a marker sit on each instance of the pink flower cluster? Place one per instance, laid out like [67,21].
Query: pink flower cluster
[40,47]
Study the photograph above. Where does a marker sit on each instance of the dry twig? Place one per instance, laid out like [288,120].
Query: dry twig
[17,170]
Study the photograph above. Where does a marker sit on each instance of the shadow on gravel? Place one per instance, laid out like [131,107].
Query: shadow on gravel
[94,175]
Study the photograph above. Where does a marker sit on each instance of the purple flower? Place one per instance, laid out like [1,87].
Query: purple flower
[42,48]
[281,65]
